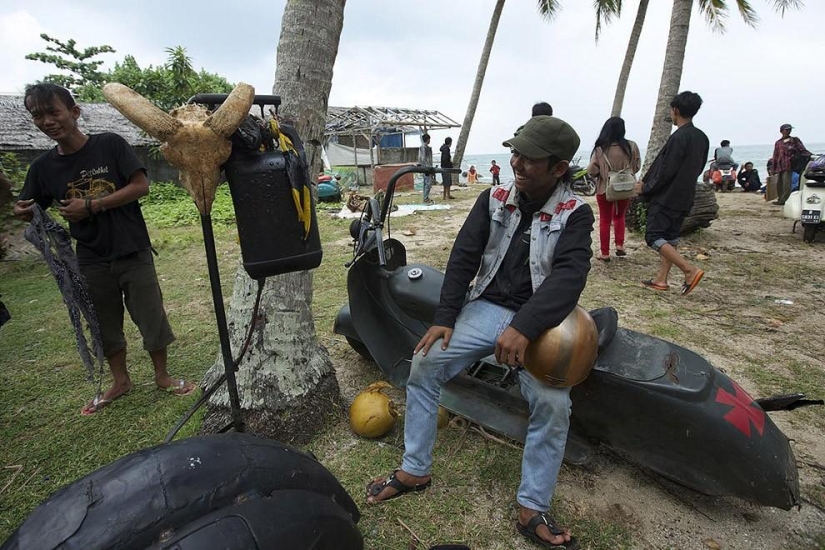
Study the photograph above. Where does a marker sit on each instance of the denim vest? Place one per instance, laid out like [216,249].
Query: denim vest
[546,228]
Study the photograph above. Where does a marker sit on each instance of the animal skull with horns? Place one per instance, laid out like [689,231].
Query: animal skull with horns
[194,139]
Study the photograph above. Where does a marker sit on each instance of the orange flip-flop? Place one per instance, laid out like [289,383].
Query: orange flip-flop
[654,286]
[95,405]
[181,387]
[688,287]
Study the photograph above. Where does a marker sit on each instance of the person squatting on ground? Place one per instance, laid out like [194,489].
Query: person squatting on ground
[95,182]
[527,244]
[446,162]
[748,178]
[612,153]
[784,150]
[669,186]
[495,170]
[425,158]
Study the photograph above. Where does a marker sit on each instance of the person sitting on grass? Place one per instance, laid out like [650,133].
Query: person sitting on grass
[97,180]
[527,246]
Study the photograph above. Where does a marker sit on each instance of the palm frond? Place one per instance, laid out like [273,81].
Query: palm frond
[747,12]
[548,8]
[606,10]
[715,12]
[783,5]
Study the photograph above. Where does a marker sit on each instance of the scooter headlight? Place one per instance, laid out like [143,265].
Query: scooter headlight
[813,199]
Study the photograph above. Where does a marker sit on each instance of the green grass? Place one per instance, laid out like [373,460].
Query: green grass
[43,383]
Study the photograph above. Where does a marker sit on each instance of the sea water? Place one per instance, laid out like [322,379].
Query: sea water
[757,154]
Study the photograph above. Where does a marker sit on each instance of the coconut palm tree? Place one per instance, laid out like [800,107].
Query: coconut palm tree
[286,381]
[624,74]
[715,11]
[461,145]
[605,10]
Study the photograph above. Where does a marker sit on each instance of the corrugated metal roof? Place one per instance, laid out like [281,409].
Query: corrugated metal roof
[380,120]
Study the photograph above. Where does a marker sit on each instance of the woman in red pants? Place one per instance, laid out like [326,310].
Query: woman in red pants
[612,153]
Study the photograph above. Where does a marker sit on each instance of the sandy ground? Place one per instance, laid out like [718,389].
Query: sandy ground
[659,513]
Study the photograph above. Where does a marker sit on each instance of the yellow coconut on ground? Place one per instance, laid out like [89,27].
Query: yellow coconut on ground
[373,413]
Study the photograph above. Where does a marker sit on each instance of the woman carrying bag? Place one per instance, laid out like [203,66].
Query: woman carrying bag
[614,164]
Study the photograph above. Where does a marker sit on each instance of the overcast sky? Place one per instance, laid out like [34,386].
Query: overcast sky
[424,54]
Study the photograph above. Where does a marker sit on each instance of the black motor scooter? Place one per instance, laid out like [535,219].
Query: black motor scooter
[659,404]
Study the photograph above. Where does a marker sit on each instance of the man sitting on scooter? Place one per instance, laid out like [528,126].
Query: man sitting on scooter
[527,246]
[748,178]
[723,156]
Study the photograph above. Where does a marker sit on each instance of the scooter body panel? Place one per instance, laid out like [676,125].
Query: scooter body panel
[693,425]
[793,206]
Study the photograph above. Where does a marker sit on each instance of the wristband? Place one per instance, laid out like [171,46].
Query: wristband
[89,207]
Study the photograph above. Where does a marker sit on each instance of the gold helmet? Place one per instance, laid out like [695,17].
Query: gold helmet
[564,355]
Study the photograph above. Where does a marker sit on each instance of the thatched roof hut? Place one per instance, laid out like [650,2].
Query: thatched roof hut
[20,136]
[18,133]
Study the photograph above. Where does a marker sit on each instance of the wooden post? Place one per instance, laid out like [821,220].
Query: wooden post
[355,155]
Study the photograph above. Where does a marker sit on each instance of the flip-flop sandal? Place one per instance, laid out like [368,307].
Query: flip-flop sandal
[374,488]
[620,252]
[97,403]
[688,287]
[180,387]
[654,286]
[529,532]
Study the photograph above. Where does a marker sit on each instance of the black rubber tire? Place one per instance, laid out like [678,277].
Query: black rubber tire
[129,503]
[359,348]
[809,232]
[289,518]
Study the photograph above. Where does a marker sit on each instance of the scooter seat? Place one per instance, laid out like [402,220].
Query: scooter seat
[607,321]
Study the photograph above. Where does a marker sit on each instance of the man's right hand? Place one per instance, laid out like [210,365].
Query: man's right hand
[23,210]
[433,335]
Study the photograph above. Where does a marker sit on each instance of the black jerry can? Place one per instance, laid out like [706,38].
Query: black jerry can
[273,240]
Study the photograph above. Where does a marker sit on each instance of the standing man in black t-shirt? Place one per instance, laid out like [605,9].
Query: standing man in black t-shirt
[97,181]
[446,162]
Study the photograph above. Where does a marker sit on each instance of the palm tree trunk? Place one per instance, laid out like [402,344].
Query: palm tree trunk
[286,381]
[482,70]
[624,75]
[671,78]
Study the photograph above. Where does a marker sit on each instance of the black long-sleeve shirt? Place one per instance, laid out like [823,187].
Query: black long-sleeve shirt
[671,179]
[446,157]
[536,311]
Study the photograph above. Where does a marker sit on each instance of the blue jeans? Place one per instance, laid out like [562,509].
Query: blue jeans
[477,328]
[428,184]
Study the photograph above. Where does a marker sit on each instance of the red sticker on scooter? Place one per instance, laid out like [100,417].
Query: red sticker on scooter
[744,413]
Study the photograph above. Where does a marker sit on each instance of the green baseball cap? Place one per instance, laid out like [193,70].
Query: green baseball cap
[545,136]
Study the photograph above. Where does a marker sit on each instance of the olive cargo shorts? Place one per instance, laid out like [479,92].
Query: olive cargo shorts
[129,280]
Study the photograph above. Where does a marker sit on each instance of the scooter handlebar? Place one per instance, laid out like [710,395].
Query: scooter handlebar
[217,99]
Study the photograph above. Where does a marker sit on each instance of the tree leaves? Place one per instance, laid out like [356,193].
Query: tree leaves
[167,86]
